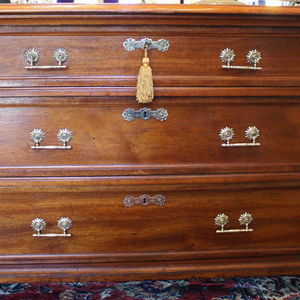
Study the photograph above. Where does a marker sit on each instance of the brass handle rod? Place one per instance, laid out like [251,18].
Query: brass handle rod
[234,230]
[241,67]
[51,234]
[52,147]
[45,67]
[240,144]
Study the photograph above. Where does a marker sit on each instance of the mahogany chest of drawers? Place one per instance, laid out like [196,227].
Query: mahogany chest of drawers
[202,182]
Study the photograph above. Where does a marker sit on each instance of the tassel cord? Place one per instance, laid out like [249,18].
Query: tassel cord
[145,93]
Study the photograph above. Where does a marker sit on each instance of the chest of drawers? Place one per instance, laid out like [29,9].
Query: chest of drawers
[207,184]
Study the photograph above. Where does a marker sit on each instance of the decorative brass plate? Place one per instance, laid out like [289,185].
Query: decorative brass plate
[144,200]
[145,114]
[131,44]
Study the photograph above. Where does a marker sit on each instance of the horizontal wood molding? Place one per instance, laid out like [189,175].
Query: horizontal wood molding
[261,266]
[26,259]
[153,169]
[159,92]
[164,101]
[140,183]
[159,81]
[154,9]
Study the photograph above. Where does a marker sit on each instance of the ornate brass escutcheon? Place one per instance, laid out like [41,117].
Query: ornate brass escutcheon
[145,114]
[144,200]
[161,45]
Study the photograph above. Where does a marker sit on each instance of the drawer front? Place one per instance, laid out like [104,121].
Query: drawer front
[190,137]
[101,60]
[102,223]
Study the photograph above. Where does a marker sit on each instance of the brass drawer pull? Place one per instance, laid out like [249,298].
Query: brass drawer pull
[64,136]
[39,225]
[245,219]
[144,200]
[145,114]
[32,57]
[253,57]
[251,134]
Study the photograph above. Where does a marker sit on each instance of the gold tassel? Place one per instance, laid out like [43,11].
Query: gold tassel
[145,93]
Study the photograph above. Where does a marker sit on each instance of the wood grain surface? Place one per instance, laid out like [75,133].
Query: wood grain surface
[180,158]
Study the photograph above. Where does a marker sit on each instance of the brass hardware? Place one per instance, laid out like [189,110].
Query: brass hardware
[226,134]
[64,224]
[132,44]
[227,56]
[144,200]
[253,57]
[252,134]
[221,220]
[145,114]
[60,56]
[245,219]
[45,67]
[64,136]
[39,225]
[144,88]
[37,136]
[32,58]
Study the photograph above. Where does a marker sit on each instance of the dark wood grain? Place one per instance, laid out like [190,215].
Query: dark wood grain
[102,137]
[199,56]
[125,271]
[94,36]
[103,224]
[181,157]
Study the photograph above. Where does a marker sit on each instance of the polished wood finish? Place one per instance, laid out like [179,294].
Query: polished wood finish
[187,137]
[102,223]
[180,158]
[94,35]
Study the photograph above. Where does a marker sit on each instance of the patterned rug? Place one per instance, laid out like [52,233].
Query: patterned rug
[258,288]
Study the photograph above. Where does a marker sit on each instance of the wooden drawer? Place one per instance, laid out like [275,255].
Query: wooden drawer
[187,142]
[197,37]
[184,225]
[92,63]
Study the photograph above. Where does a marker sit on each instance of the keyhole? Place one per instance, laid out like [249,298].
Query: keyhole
[145,200]
[145,114]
